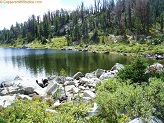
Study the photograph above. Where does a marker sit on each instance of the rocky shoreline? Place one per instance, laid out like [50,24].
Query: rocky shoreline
[61,89]
[152,56]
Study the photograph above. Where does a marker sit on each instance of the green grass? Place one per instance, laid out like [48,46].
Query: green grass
[58,43]
[126,45]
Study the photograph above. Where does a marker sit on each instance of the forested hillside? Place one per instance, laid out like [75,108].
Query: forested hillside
[87,24]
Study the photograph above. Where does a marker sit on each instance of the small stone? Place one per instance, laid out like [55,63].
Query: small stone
[52,111]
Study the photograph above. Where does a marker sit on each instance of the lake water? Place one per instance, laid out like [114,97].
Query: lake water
[36,63]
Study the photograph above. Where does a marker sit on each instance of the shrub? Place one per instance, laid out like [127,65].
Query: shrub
[135,71]
[26,111]
[96,119]
[158,40]
[120,102]
[157,74]
[71,112]
[34,111]
[155,93]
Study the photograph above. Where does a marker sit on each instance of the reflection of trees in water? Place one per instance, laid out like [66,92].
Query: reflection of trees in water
[70,62]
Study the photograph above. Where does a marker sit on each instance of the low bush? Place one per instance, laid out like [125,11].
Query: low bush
[135,71]
[71,112]
[26,111]
[34,111]
[120,101]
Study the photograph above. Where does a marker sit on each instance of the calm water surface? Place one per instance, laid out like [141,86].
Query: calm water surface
[36,63]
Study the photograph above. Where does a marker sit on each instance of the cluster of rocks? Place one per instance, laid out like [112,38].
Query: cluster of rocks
[155,56]
[80,87]
[152,56]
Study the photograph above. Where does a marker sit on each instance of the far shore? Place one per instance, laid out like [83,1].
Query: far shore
[97,49]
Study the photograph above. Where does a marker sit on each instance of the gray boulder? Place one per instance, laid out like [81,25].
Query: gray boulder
[90,94]
[69,79]
[152,120]
[17,90]
[57,103]
[160,57]
[117,66]
[69,88]
[83,81]
[95,80]
[82,88]
[75,90]
[66,83]
[90,75]
[28,90]
[156,67]
[6,84]
[40,91]
[155,120]
[78,75]
[99,72]
[7,100]
[136,120]
[3,92]
[72,90]
[107,76]
[52,88]
[92,82]
[10,90]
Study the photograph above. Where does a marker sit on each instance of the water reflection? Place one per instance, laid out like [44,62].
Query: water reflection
[41,63]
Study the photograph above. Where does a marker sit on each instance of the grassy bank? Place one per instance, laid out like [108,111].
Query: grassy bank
[110,43]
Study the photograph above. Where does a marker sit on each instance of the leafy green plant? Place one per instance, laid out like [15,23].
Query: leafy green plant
[26,111]
[135,71]
[155,93]
[158,40]
[72,112]
[119,101]
[63,72]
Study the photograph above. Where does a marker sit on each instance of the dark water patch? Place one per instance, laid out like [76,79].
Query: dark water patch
[41,63]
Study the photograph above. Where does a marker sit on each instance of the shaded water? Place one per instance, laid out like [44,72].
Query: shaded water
[36,63]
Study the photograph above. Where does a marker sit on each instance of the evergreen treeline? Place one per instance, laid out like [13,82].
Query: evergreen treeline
[105,17]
